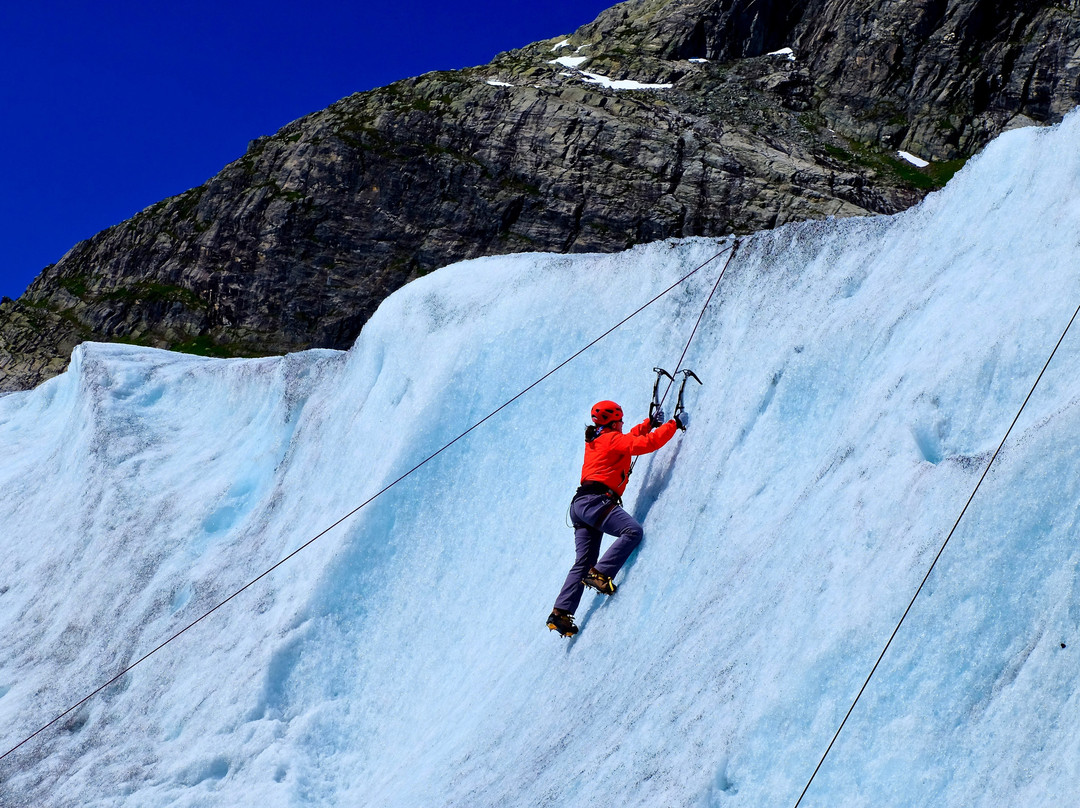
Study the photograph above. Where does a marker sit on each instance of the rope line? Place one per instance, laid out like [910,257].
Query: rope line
[936,557]
[708,300]
[370,499]
[693,332]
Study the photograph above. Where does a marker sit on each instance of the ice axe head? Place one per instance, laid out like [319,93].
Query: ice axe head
[654,406]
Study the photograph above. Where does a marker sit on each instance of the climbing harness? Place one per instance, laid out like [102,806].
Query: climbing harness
[384,489]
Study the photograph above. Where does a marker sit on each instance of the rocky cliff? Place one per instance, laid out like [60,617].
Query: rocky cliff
[661,118]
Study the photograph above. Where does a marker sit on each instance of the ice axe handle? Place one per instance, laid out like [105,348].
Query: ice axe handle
[686,374]
[654,405]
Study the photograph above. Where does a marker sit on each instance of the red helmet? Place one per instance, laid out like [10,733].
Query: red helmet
[606,412]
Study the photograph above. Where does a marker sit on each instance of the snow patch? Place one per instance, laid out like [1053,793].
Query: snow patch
[497,83]
[569,61]
[565,43]
[911,158]
[788,52]
[621,84]
[574,63]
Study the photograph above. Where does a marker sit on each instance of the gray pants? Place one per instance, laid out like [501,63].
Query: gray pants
[593,516]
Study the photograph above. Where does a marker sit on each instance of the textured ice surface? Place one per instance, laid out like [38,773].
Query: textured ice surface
[858,375]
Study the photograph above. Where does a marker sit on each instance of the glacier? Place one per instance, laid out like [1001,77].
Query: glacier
[858,375]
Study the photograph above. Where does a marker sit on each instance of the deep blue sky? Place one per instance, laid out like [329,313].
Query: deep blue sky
[109,107]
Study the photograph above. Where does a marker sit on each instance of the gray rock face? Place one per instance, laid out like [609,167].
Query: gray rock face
[296,243]
[946,76]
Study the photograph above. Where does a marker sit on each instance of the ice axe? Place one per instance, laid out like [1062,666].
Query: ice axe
[686,374]
[654,407]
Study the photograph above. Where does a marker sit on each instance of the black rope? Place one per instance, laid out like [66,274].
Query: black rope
[708,300]
[936,557]
[693,331]
[365,503]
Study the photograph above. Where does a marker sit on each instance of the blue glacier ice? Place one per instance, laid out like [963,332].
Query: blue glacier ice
[858,375]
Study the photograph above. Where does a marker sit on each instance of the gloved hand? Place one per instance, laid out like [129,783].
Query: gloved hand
[657,418]
[682,420]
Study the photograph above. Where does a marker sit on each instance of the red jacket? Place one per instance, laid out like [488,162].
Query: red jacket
[607,457]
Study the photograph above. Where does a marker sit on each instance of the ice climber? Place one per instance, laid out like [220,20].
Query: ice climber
[597,505]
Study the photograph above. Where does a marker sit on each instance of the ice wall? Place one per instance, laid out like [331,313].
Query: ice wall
[858,375]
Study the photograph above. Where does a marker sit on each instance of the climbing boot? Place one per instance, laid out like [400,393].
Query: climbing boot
[563,622]
[603,584]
